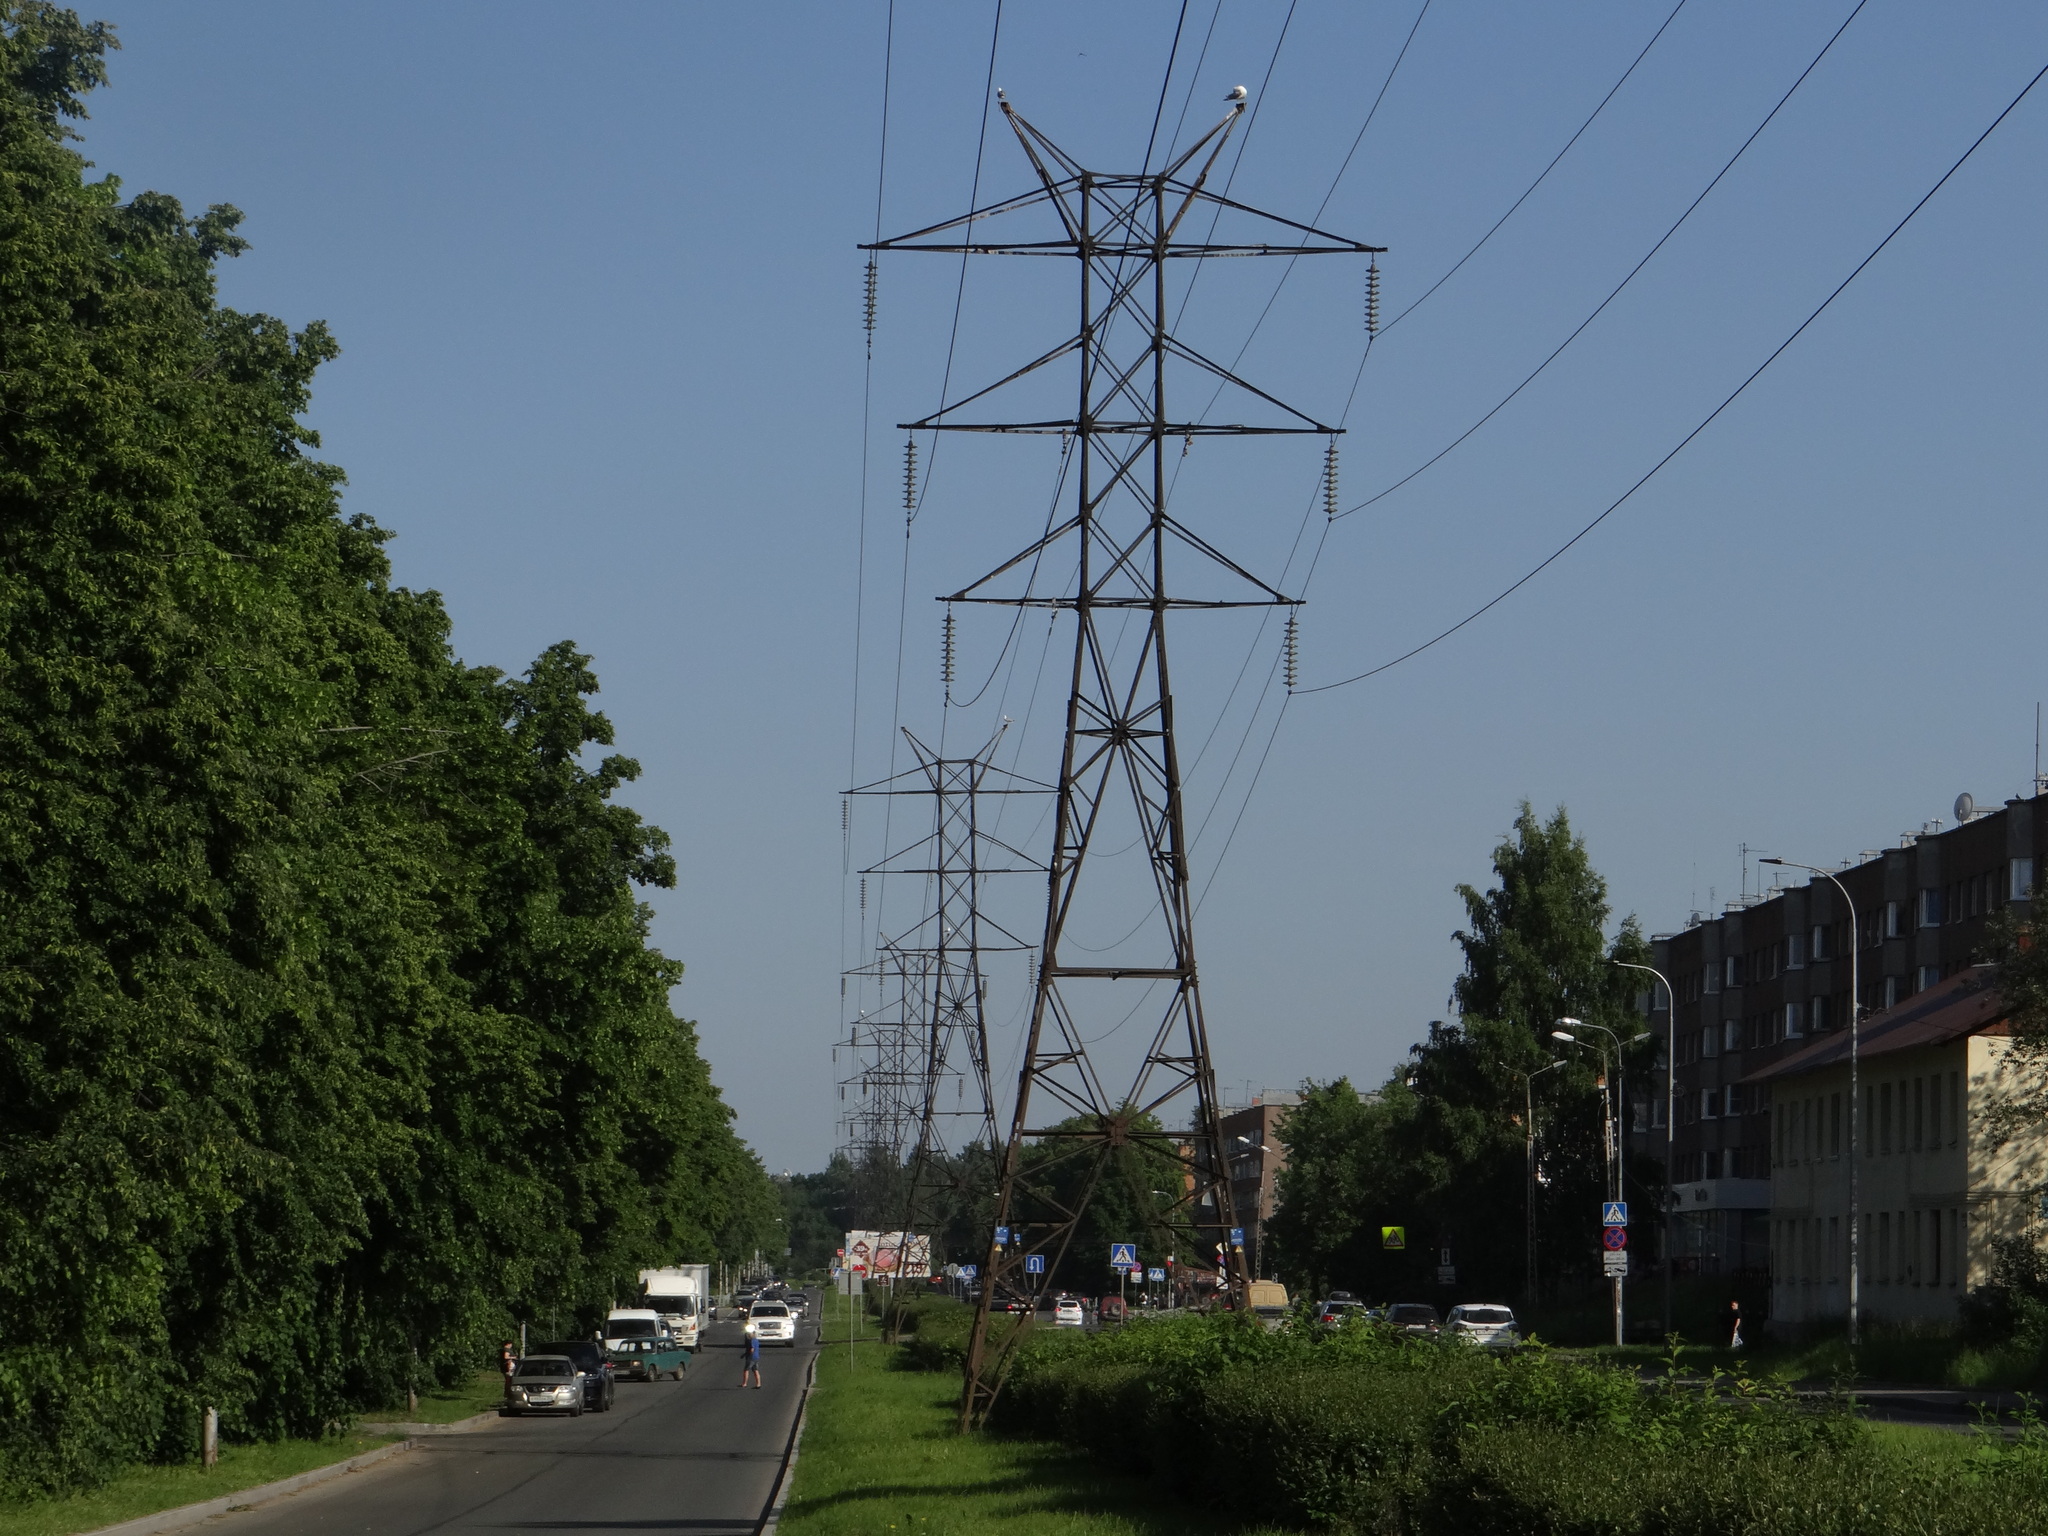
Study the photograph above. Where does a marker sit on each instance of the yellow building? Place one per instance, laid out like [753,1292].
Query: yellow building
[1937,1181]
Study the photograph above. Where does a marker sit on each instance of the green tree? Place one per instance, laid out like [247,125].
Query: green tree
[333,1043]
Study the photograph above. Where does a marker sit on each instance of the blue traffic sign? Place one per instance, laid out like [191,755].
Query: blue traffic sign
[969,1271]
[1155,1274]
[1237,1237]
[1034,1263]
[1002,1237]
[1614,1213]
[1123,1255]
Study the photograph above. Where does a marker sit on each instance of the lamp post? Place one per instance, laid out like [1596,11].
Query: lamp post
[1529,1188]
[1670,1123]
[1855,1142]
[1612,1105]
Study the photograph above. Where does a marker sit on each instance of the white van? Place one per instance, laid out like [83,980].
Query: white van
[623,1323]
[677,1294]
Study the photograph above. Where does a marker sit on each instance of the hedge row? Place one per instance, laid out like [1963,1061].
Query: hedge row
[1434,1441]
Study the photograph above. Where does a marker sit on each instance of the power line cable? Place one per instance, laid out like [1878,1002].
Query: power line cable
[1711,416]
[1541,175]
[1616,291]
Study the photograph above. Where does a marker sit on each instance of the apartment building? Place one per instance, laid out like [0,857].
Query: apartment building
[1936,1183]
[1770,975]
[1255,1157]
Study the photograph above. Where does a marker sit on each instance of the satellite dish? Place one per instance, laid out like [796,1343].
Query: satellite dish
[1965,806]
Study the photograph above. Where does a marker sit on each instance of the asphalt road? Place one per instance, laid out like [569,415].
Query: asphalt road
[698,1455]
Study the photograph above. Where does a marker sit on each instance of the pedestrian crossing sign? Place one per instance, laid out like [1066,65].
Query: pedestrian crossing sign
[1393,1239]
[1614,1213]
[1123,1255]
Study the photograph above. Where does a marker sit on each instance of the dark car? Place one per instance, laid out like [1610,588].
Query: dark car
[1414,1317]
[598,1382]
[545,1384]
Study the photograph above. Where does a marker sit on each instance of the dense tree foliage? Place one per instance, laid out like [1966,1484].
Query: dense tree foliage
[1441,1148]
[333,1042]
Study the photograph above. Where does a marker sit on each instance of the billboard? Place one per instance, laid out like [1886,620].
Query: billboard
[885,1253]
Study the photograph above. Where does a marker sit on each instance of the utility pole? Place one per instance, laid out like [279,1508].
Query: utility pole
[947,1041]
[1120,770]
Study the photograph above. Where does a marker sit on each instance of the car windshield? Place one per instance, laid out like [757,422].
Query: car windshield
[630,1328]
[770,1309]
[1414,1312]
[1488,1315]
[680,1305]
[558,1370]
[1341,1306]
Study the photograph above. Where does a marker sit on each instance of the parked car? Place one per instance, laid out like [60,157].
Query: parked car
[545,1384]
[1335,1310]
[598,1384]
[1110,1310]
[772,1323]
[1067,1313]
[648,1359]
[1489,1325]
[1418,1318]
[1268,1301]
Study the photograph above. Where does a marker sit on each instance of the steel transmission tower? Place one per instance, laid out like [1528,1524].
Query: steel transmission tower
[1120,770]
[941,1040]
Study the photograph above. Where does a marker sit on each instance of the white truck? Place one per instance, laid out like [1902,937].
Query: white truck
[681,1296]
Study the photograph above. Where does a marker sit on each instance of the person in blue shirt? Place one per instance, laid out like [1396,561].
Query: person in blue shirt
[750,1362]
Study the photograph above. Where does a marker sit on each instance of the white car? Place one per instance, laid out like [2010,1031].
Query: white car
[1067,1314]
[771,1323]
[1490,1326]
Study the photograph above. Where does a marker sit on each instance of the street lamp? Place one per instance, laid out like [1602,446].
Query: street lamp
[1855,1145]
[1614,1106]
[1529,1191]
[1670,1124]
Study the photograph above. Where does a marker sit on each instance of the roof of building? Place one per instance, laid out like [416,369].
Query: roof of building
[1967,1003]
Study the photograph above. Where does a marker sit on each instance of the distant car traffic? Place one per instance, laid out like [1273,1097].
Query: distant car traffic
[598,1388]
[545,1384]
[772,1323]
[1067,1313]
[1335,1311]
[1490,1326]
[1418,1318]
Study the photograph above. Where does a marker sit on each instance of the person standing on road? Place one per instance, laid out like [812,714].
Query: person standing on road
[508,1355]
[750,1362]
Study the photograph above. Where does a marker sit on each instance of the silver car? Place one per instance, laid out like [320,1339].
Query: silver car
[1490,1326]
[545,1384]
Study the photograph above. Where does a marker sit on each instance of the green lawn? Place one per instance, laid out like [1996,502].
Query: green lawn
[881,1457]
[146,1490]
[444,1405]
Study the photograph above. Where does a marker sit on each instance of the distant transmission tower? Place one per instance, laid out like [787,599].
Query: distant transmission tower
[945,1045]
[1120,774]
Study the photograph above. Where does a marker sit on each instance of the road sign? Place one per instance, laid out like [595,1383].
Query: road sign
[1155,1274]
[1614,1239]
[1614,1213]
[1034,1263]
[1237,1237]
[1615,1264]
[1002,1237]
[1447,1274]
[969,1271]
[1393,1238]
[1123,1255]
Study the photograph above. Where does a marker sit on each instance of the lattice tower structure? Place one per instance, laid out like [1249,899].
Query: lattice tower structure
[1120,766]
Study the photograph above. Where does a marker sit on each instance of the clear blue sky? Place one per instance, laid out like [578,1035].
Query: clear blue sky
[594,271]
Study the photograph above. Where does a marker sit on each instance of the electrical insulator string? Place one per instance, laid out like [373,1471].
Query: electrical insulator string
[868,306]
[1330,480]
[909,479]
[946,656]
[1372,299]
[1291,650]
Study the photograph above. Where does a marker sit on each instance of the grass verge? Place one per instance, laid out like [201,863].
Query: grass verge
[1892,1361]
[445,1405]
[149,1490]
[881,1458]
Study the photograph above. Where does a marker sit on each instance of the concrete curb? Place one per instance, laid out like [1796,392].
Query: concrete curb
[458,1427]
[248,1498]
[785,1477]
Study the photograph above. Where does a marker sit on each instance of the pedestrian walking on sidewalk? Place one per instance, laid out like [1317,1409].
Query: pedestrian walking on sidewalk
[1735,1325]
[750,1362]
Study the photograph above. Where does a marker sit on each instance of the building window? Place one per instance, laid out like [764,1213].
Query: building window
[1835,1126]
[1712,977]
[1894,925]
[1710,1103]
[1795,1021]
[2020,880]
[1834,1249]
[1934,1255]
[1884,1247]
[1919,1113]
[1710,1041]
[1731,1036]
[1934,1112]
[1884,1118]
[1959,1261]
[1909,1271]
[1817,942]
[1731,971]
[1926,977]
[1734,1100]
[1930,906]
[1817,1015]
[1891,991]
[1955,1106]
[1795,953]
